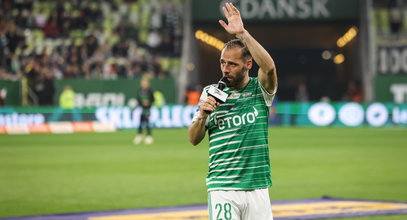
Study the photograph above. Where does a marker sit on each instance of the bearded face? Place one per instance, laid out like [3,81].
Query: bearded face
[238,79]
[234,67]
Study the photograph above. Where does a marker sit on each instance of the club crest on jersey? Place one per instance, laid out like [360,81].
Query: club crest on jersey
[234,95]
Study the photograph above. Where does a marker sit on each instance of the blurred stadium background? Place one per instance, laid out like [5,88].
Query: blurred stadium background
[337,127]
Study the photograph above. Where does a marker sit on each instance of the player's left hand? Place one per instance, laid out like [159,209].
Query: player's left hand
[235,23]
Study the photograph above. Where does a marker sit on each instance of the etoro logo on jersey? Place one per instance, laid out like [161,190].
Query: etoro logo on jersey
[238,120]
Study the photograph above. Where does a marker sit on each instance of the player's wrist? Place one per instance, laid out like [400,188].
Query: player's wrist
[202,116]
[241,35]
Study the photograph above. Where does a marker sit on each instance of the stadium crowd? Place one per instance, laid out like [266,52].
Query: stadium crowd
[43,40]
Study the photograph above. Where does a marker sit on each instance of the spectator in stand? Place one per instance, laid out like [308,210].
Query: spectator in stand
[15,66]
[135,71]
[60,11]
[44,87]
[155,67]
[154,40]
[71,71]
[6,7]
[21,18]
[81,46]
[121,48]
[14,37]
[156,19]
[91,44]
[96,65]
[40,19]
[32,71]
[1,97]
[65,28]
[3,44]
[167,47]
[123,29]
[93,12]
[51,28]
[177,41]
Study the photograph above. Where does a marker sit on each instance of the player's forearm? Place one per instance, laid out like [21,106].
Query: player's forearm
[260,55]
[196,132]
[267,72]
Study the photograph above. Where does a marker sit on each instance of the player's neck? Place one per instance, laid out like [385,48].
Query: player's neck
[243,84]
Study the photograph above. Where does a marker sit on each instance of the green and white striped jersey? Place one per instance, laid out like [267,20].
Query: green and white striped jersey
[238,139]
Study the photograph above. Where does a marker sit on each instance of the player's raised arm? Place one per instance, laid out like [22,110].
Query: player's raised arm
[267,72]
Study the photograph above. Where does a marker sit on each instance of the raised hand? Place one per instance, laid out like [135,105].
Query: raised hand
[235,23]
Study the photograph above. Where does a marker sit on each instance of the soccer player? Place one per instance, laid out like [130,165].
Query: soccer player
[239,166]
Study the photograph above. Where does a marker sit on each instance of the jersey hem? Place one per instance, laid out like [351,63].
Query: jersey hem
[237,189]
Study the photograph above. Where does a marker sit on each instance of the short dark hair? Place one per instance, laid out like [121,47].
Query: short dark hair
[237,43]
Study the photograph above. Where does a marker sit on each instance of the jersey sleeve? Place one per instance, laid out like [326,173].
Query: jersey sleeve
[268,98]
[204,95]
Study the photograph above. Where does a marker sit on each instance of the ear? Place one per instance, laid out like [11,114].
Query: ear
[249,63]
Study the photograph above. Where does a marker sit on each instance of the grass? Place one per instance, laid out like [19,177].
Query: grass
[43,174]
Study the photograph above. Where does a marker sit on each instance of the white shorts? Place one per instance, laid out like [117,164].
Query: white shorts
[239,205]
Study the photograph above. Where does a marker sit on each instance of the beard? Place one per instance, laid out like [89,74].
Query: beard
[238,79]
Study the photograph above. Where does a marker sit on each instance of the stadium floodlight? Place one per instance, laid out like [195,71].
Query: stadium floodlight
[347,37]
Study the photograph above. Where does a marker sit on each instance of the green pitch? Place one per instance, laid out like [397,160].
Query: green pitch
[42,174]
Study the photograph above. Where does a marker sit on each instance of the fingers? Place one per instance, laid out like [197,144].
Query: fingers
[209,104]
[234,9]
[223,24]
[230,9]
[225,12]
